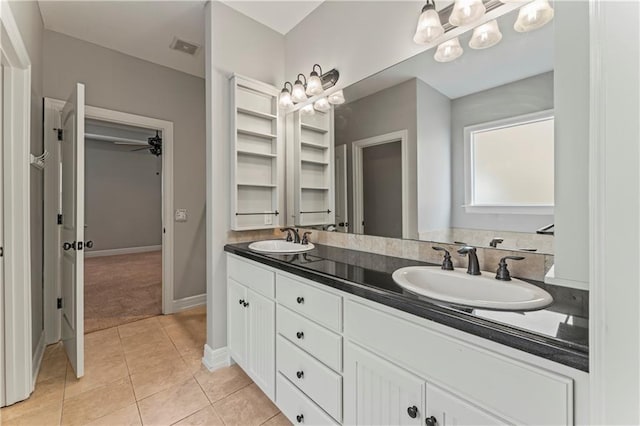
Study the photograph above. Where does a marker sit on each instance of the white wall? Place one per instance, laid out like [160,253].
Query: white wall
[240,45]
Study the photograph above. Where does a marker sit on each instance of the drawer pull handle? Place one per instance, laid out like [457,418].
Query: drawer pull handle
[300,300]
[241,301]
[300,374]
[413,412]
[300,335]
[431,421]
[300,418]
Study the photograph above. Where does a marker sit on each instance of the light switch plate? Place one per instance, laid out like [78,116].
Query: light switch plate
[181,215]
[268,219]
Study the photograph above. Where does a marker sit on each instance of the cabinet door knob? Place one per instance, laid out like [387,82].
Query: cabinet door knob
[300,418]
[413,412]
[431,421]
[300,300]
[245,304]
[300,335]
[300,374]
[241,301]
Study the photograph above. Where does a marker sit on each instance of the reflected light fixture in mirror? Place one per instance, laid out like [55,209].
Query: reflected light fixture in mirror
[466,12]
[307,110]
[314,84]
[429,25]
[298,93]
[486,35]
[448,51]
[533,16]
[336,98]
[322,105]
[285,96]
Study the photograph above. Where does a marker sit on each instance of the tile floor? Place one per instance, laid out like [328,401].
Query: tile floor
[146,372]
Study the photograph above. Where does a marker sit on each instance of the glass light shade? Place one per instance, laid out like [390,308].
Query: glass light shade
[285,99]
[336,98]
[533,16]
[307,110]
[429,27]
[486,35]
[466,12]
[448,51]
[322,105]
[314,85]
[298,93]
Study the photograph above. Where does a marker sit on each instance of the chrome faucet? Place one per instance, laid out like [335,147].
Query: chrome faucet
[294,232]
[474,266]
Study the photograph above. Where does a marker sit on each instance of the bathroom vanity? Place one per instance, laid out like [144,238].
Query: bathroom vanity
[332,339]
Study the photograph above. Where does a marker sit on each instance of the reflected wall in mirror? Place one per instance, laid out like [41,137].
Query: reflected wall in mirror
[448,152]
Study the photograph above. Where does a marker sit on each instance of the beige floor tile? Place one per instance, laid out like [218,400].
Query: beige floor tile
[47,393]
[127,416]
[54,366]
[205,417]
[96,373]
[138,327]
[222,382]
[187,339]
[98,402]
[278,420]
[142,358]
[102,344]
[148,341]
[193,362]
[248,406]
[173,404]
[53,350]
[147,381]
[44,415]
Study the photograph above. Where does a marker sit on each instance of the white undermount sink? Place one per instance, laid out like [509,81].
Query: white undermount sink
[280,247]
[476,291]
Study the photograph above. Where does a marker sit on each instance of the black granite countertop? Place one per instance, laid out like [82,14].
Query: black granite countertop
[558,333]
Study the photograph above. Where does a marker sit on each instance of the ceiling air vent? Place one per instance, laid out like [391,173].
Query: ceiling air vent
[184,46]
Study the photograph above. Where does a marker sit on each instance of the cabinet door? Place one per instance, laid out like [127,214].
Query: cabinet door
[261,342]
[237,321]
[377,392]
[445,409]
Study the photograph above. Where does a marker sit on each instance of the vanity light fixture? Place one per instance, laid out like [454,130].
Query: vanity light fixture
[336,98]
[298,93]
[533,16]
[307,110]
[429,25]
[314,84]
[448,51]
[322,105]
[285,96]
[466,12]
[486,35]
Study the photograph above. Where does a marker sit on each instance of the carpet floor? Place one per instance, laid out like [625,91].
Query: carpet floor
[121,289]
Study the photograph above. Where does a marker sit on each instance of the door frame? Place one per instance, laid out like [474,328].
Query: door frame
[15,335]
[345,172]
[357,148]
[52,243]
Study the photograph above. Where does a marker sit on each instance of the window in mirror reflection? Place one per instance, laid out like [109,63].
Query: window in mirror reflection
[510,165]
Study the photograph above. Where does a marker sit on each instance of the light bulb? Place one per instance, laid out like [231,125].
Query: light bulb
[298,92]
[486,35]
[322,105]
[336,98]
[533,16]
[466,12]
[448,51]
[285,99]
[314,85]
[307,110]
[429,25]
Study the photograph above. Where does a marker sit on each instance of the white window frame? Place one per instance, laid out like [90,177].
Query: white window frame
[470,206]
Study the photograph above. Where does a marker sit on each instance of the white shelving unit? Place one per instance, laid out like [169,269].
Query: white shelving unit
[257,156]
[314,193]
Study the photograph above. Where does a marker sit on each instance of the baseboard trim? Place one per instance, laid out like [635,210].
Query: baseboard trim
[214,359]
[37,360]
[126,250]
[189,302]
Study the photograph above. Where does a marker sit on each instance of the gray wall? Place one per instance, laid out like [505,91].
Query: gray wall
[29,21]
[124,83]
[521,97]
[123,197]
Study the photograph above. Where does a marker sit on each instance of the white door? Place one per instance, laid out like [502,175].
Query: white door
[446,409]
[72,163]
[261,351]
[342,220]
[237,322]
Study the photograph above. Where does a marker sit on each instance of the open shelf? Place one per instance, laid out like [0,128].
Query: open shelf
[257,134]
[313,128]
[313,145]
[258,185]
[255,153]
[256,113]
[321,163]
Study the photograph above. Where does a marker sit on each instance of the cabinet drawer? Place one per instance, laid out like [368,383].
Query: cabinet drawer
[317,381]
[249,274]
[323,344]
[311,302]
[294,403]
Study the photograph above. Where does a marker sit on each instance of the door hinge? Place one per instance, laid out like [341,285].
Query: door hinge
[59,219]
[59,302]
[59,132]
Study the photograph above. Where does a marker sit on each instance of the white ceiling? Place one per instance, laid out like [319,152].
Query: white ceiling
[280,16]
[143,29]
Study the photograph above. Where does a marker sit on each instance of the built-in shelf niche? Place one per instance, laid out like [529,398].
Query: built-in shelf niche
[314,169]
[257,156]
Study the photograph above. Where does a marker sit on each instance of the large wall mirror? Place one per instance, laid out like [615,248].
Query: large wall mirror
[461,151]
